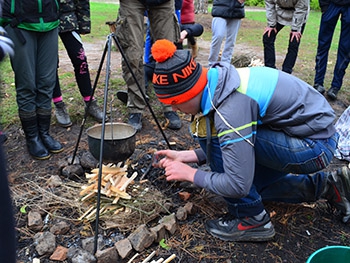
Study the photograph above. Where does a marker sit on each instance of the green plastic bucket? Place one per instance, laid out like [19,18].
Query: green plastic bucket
[330,254]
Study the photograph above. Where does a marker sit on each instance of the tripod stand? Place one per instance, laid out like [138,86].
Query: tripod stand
[107,52]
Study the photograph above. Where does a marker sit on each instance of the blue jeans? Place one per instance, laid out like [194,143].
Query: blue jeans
[328,23]
[282,168]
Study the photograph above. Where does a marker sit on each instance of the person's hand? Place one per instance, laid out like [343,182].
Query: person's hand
[268,30]
[175,170]
[160,156]
[6,43]
[296,35]
[183,35]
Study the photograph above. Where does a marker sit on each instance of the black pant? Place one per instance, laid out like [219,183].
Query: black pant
[7,229]
[269,50]
[76,53]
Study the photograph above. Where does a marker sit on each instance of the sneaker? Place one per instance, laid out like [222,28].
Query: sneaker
[337,191]
[319,88]
[95,111]
[174,121]
[135,120]
[332,93]
[229,228]
[62,115]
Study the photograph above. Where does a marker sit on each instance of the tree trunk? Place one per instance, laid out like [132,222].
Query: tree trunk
[201,6]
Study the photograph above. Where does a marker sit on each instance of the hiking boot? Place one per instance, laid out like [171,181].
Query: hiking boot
[230,228]
[62,115]
[173,119]
[135,120]
[337,191]
[332,93]
[95,111]
[319,88]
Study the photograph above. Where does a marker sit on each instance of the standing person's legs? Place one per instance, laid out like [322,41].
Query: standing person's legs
[343,56]
[130,29]
[218,27]
[232,28]
[164,25]
[328,23]
[292,53]
[46,69]
[76,52]
[24,65]
[269,47]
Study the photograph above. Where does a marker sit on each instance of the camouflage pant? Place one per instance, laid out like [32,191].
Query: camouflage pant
[130,33]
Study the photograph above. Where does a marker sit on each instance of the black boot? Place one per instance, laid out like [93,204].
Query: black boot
[44,122]
[35,146]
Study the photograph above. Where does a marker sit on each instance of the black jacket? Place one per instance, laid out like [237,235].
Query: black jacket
[227,9]
[39,15]
[325,3]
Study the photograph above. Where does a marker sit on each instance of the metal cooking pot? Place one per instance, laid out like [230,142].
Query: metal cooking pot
[119,141]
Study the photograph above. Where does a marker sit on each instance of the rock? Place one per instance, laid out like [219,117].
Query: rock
[54,181]
[74,171]
[60,228]
[181,214]
[88,161]
[184,196]
[88,244]
[141,238]
[76,160]
[107,255]
[45,243]
[60,254]
[123,247]
[169,223]
[189,208]
[158,232]
[78,255]
[35,222]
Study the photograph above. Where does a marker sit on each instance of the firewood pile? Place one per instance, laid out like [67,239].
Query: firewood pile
[122,198]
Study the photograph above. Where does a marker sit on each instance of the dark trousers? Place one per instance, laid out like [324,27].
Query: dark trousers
[7,224]
[76,53]
[270,53]
[328,23]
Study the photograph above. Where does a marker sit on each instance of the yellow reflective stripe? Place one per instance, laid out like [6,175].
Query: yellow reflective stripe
[244,75]
[253,123]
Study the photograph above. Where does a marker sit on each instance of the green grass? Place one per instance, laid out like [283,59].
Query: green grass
[250,33]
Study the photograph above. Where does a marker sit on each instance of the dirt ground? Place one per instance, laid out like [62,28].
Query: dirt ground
[300,229]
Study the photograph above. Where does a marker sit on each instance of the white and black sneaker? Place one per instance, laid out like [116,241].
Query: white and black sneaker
[337,191]
[230,228]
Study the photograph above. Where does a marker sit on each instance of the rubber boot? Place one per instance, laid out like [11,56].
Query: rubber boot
[35,145]
[44,122]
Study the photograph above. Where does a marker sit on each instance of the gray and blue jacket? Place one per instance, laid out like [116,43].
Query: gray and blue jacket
[240,101]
